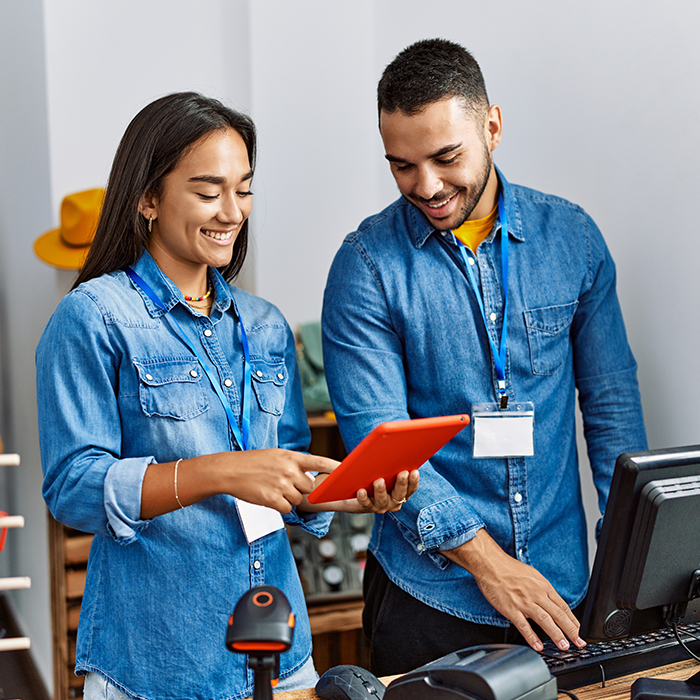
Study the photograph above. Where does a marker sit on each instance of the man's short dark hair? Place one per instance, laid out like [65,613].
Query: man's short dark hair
[429,71]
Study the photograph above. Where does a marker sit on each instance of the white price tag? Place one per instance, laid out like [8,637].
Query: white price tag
[258,521]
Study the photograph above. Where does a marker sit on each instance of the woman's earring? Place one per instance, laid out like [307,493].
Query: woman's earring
[150,224]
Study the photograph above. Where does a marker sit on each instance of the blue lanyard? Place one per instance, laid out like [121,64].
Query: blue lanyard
[499,353]
[242,434]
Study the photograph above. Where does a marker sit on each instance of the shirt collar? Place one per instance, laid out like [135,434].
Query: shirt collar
[169,293]
[420,229]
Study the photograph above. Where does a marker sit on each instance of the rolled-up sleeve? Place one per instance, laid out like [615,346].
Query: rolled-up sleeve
[122,497]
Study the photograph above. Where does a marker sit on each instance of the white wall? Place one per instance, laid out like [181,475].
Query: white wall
[313,101]
[600,101]
[107,60]
[25,302]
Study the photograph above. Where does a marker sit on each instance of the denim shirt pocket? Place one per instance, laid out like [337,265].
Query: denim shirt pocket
[269,383]
[171,388]
[548,336]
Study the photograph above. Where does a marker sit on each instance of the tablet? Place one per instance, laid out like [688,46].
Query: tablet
[390,448]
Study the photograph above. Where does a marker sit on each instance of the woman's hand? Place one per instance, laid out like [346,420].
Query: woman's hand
[274,478]
[380,502]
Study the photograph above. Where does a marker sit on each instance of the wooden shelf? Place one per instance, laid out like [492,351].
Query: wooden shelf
[69,550]
[12,583]
[321,420]
[336,617]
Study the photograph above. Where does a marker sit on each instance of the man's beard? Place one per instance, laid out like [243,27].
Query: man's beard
[474,192]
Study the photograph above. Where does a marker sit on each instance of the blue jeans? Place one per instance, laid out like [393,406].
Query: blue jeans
[98,688]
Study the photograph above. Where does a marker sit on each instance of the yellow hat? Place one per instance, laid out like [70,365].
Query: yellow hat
[67,246]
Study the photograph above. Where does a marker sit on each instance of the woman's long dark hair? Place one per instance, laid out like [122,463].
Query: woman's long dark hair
[152,146]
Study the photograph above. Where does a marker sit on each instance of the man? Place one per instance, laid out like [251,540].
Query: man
[414,326]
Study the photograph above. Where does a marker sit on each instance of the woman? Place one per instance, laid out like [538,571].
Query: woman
[170,413]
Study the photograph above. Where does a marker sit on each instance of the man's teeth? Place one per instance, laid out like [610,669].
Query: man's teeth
[440,204]
[218,235]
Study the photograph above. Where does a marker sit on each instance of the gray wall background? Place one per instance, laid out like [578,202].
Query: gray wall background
[600,102]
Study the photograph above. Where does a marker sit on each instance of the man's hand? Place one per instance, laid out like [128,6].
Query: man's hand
[517,591]
[380,502]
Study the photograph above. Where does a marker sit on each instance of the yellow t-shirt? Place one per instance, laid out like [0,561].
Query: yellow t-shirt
[471,233]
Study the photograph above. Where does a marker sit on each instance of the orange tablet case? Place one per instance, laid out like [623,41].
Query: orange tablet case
[390,448]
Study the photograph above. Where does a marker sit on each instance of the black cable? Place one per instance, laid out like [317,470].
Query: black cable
[573,696]
[690,634]
[682,643]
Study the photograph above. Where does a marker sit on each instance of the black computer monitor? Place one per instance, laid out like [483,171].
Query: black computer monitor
[647,564]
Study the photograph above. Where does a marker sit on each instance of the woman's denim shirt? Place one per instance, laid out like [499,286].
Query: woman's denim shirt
[118,389]
[404,338]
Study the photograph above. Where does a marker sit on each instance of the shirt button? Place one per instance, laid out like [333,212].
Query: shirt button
[421,548]
[256,564]
[493,317]
[471,261]
[518,497]
[227,382]
[149,377]
[207,332]
[193,373]
[259,373]
[520,554]
[280,376]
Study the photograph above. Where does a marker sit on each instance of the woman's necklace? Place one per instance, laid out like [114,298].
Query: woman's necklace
[204,307]
[188,299]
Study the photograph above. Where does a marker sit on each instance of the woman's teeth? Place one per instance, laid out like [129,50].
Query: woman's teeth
[218,235]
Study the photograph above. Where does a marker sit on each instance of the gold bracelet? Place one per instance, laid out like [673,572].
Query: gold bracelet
[177,498]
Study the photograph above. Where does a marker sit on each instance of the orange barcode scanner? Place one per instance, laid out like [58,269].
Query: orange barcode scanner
[262,626]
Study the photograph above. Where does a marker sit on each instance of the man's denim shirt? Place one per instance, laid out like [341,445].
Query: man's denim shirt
[118,390]
[404,338]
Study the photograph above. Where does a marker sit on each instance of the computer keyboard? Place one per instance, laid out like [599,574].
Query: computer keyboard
[600,661]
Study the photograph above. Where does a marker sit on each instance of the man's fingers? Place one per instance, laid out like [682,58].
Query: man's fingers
[528,634]
[566,625]
[413,479]
[380,498]
[401,487]
[364,500]
[557,622]
[551,629]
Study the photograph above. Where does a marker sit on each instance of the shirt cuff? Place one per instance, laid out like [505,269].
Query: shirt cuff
[454,542]
[446,521]
[122,498]
[316,524]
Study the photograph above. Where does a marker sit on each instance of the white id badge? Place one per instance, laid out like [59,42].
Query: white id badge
[503,432]
[258,521]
